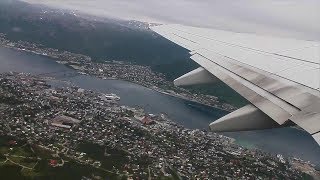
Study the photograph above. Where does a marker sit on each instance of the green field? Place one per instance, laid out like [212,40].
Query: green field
[23,161]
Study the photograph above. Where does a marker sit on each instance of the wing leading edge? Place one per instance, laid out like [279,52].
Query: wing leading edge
[279,77]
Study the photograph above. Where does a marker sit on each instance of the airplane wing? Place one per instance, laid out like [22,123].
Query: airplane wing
[280,77]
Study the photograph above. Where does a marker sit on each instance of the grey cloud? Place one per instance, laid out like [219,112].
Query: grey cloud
[293,18]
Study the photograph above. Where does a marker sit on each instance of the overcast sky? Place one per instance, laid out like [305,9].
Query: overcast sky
[293,18]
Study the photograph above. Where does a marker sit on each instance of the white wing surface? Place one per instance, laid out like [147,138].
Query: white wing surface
[280,77]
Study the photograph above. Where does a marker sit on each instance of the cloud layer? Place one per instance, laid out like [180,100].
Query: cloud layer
[294,18]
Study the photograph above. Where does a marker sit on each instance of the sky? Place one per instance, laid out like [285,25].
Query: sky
[287,18]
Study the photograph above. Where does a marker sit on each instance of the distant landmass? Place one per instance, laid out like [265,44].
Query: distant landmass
[102,39]
[99,38]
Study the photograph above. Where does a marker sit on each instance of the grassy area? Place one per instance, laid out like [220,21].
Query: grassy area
[71,170]
[29,163]
[21,160]
[116,157]
[24,150]
[10,172]
[30,173]
[2,158]
[4,150]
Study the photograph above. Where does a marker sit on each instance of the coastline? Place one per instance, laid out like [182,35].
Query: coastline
[162,91]
[74,72]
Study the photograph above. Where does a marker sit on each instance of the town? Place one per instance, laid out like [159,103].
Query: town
[75,125]
[115,69]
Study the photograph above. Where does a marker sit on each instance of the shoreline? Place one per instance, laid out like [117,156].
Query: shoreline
[117,79]
[162,91]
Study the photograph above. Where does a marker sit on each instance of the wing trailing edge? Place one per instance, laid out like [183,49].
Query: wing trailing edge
[280,77]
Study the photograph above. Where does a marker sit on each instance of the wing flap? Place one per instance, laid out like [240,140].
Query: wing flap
[245,89]
[247,76]
[286,98]
[309,121]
